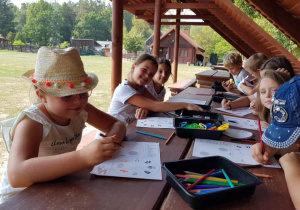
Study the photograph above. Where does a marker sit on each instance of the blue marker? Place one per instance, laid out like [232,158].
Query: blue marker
[149,134]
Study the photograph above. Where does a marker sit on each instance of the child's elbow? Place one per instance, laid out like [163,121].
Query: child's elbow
[16,181]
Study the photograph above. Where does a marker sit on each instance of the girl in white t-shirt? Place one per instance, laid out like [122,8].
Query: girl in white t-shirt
[42,139]
[131,94]
[156,86]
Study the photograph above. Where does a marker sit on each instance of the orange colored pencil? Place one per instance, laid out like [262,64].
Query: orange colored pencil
[263,175]
[169,138]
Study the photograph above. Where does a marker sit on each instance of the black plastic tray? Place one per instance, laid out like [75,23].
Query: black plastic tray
[203,165]
[219,97]
[202,115]
[196,133]
[205,107]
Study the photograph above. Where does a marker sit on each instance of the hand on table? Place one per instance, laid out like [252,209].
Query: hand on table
[141,113]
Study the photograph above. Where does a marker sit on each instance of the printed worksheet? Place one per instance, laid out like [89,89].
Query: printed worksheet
[140,160]
[191,101]
[239,111]
[237,153]
[242,123]
[155,122]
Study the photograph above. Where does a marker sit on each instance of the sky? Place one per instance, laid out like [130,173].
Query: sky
[19,2]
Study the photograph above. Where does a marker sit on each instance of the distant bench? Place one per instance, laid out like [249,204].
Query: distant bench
[181,85]
[208,77]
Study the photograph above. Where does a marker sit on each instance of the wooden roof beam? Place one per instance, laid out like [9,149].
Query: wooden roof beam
[150,17]
[151,6]
[181,23]
[279,17]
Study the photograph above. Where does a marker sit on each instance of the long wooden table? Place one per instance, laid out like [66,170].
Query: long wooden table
[82,190]
[271,194]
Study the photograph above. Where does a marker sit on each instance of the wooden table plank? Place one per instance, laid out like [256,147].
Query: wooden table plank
[201,94]
[207,78]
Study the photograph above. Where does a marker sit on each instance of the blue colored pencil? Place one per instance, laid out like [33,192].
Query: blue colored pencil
[149,134]
[207,186]
[229,181]
[209,191]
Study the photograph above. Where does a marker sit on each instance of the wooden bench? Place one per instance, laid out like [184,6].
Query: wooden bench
[208,77]
[181,85]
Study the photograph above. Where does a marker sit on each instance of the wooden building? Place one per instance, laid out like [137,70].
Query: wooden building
[189,50]
[84,44]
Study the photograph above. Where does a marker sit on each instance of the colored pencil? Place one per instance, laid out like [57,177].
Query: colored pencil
[229,181]
[263,175]
[201,179]
[170,137]
[120,145]
[149,134]
[208,178]
[262,143]
[214,174]
[213,182]
[248,141]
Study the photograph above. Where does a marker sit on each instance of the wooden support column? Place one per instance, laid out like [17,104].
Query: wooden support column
[157,23]
[117,44]
[176,48]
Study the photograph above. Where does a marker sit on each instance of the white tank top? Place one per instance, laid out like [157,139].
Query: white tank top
[56,139]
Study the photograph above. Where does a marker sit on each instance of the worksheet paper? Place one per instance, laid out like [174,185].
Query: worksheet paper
[237,153]
[155,122]
[242,122]
[140,160]
[191,101]
[239,111]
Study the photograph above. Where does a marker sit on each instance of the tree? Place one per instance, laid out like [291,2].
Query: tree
[141,27]
[68,20]
[86,6]
[21,17]
[42,23]
[128,20]
[133,42]
[6,17]
[95,26]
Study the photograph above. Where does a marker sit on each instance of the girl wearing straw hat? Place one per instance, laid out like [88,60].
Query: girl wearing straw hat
[44,136]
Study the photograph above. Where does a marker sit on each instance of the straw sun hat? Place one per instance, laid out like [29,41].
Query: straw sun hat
[60,72]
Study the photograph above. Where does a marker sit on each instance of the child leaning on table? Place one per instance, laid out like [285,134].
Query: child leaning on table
[267,87]
[42,139]
[132,94]
[156,85]
[283,135]
[233,62]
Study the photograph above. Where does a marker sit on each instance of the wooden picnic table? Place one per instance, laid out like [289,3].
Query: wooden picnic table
[208,77]
[82,190]
[271,194]
[181,85]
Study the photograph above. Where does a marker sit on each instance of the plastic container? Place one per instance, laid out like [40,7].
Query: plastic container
[196,133]
[205,107]
[202,115]
[219,97]
[204,165]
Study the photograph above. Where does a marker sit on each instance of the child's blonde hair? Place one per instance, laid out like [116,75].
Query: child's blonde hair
[232,59]
[280,78]
[254,62]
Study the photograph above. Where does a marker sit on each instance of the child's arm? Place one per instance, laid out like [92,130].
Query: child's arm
[240,102]
[147,94]
[26,168]
[105,122]
[290,163]
[156,106]
[246,89]
[229,87]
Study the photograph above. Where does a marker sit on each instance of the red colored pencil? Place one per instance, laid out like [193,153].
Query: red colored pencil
[120,145]
[200,180]
[262,143]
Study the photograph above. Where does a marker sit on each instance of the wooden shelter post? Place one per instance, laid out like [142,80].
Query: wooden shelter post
[117,43]
[157,23]
[176,48]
